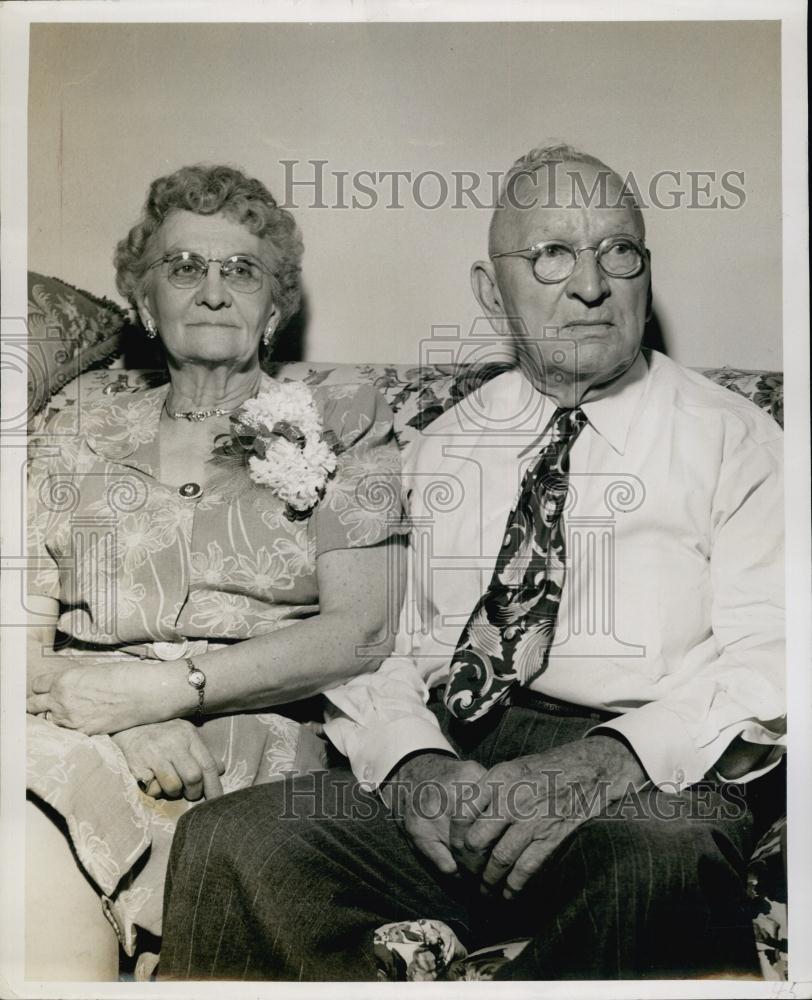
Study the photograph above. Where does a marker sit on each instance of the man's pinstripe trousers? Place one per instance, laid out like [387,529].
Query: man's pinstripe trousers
[288,881]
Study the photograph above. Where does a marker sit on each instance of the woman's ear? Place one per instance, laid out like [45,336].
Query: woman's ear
[145,314]
[486,290]
[271,323]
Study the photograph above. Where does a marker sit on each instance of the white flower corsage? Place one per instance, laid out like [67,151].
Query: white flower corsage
[290,453]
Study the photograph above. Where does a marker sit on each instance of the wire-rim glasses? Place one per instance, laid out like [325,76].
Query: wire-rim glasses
[187,269]
[618,256]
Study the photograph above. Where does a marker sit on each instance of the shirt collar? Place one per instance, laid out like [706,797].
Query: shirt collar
[610,412]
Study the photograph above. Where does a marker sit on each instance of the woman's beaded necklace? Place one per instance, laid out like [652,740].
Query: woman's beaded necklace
[198,415]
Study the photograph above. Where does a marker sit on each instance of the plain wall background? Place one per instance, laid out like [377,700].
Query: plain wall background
[113,106]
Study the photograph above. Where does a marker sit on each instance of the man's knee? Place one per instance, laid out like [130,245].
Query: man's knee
[664,891]
[661,851]
[640,896]
[240,830]
[218,835]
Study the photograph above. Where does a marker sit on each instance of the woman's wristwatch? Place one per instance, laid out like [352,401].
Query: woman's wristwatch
[197,680]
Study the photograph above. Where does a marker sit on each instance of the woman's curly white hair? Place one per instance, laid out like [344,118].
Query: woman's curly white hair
[207,190]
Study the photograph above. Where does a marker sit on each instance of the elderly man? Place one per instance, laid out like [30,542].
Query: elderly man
[583,691]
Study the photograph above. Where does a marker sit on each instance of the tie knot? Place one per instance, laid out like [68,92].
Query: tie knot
[567,423]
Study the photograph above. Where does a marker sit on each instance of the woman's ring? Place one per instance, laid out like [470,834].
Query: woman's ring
[47,715]
[146,777]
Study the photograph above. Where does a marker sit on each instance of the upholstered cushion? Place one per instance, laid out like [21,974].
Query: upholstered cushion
[767,887]
[416,394]
[764,388]
[68,331]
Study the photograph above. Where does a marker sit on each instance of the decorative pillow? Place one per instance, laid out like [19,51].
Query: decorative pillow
[68,331]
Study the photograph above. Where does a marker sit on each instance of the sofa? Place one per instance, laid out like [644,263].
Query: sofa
[81,346]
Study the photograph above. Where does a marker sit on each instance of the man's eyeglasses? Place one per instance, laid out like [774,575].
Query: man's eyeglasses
[186,269]
[617,256]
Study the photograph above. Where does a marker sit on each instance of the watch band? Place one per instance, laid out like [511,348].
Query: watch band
[196,679]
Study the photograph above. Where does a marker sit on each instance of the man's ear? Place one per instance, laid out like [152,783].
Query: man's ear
[486,290]
[650,292]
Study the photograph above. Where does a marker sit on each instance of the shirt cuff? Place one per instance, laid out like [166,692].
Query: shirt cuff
[383,746]
[662,744]
[671,758]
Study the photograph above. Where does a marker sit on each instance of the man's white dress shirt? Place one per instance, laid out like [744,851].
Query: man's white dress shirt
[672,609]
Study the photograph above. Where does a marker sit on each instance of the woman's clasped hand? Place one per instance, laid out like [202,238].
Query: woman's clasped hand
[108,697]
[170,758]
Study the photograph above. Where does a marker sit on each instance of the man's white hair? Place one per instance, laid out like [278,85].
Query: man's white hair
[555,153]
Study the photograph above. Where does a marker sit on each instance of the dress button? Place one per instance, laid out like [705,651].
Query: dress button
[190,491]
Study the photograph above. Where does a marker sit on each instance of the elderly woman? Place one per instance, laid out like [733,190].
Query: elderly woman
[204,550]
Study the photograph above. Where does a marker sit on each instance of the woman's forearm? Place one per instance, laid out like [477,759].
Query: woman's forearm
[352,633]
[292,663]
[286,665]
[359,600]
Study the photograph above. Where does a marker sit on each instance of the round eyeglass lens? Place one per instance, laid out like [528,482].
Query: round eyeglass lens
[619,257]
[555,261]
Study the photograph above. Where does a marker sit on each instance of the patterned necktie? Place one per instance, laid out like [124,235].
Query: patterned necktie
[507,638]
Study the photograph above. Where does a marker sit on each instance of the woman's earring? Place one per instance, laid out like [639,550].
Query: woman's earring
[152,330]
[267,337]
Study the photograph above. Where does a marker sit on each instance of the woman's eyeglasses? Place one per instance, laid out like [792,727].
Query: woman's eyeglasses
[187,269]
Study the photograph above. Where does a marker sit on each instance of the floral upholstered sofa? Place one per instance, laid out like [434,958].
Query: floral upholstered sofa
[78,349]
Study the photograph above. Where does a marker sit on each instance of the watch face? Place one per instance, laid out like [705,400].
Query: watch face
[196,678]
